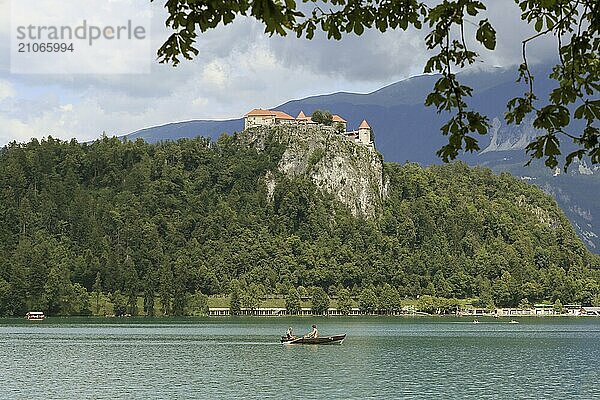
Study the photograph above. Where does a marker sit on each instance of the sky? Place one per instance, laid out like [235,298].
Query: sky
[238,68]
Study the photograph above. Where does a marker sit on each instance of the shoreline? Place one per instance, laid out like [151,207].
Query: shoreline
[139,318]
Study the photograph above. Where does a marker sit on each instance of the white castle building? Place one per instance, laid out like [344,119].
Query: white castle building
[260,117]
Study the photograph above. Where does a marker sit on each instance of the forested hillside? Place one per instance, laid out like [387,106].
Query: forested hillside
[407,131]
[169,221]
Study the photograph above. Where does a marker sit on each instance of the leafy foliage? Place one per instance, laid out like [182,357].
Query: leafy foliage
[292,302]
[577,27]
[344,302]
[320,301]
[322,117]
[173,222]
[367,301]
[235,300]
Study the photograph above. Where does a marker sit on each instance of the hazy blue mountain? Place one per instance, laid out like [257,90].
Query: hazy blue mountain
[187,129]
[405,130]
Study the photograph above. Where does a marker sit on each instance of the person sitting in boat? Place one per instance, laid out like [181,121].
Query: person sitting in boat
[314,333]
[290,333]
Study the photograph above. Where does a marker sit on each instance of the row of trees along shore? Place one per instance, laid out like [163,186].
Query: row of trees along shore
[384,300]
[155,228]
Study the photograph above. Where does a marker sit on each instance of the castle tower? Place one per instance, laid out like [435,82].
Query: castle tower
[364,133]
[303,119]
[339,121]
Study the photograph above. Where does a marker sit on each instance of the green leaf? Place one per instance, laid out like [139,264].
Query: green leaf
[571,156]
[358,29]
[486,35]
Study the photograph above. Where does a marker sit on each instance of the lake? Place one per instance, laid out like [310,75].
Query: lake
[235,358]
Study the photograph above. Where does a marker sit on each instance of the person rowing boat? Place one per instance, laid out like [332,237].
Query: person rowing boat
[312,334]
[290,334]
[311,338]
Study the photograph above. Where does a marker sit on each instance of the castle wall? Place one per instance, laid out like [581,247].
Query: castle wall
[258,120]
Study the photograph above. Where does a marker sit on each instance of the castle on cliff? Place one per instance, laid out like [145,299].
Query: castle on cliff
[259,117]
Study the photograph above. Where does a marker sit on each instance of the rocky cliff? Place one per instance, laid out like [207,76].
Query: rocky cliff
[505,137]
[352,173]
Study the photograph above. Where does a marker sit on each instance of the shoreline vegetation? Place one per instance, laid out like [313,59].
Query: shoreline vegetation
[283,306]
[175,228]
[466,318]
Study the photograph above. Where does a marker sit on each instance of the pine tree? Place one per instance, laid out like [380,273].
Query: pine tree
[344,301]
[320,301]
[292,302]
[166,289]
[235,301]
[97,289]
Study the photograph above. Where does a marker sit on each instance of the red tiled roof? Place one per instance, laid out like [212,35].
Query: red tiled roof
[364,125]
[302,116]
[282,115]
[259,112]
[337,118]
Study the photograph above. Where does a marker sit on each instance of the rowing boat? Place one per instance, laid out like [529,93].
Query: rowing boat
[336,339]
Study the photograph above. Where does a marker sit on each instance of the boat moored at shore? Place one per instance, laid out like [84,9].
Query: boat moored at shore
[35,316]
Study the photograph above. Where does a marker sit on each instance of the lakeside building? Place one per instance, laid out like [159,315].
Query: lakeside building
[282,312]
[514,312]
[539,310]
[544,309]
[590,311]
[573,309]
[259,117]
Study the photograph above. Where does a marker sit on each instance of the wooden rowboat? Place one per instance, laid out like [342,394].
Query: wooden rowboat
[336,339]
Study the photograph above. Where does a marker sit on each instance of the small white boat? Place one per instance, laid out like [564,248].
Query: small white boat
[35,316]
[512,321]
[475,321]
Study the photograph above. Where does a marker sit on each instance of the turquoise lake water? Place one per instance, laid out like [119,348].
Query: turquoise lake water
[382,358]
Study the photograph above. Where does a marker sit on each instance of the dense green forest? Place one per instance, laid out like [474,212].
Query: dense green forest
[175,221]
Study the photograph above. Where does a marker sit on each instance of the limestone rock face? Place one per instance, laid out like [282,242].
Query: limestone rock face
[510,137]
[351,172]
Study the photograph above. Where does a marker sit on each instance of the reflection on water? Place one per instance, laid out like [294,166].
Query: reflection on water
[241,358]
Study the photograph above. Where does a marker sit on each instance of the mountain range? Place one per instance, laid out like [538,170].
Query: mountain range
[406,130]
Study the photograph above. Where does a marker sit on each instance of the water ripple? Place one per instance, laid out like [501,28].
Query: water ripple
[235,359]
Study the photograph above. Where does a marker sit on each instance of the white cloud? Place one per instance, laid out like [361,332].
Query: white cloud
[216,74]
[200,101]
[238,68]
[6,90]
[13,129]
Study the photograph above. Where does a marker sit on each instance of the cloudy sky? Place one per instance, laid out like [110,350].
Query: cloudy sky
[238,68]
